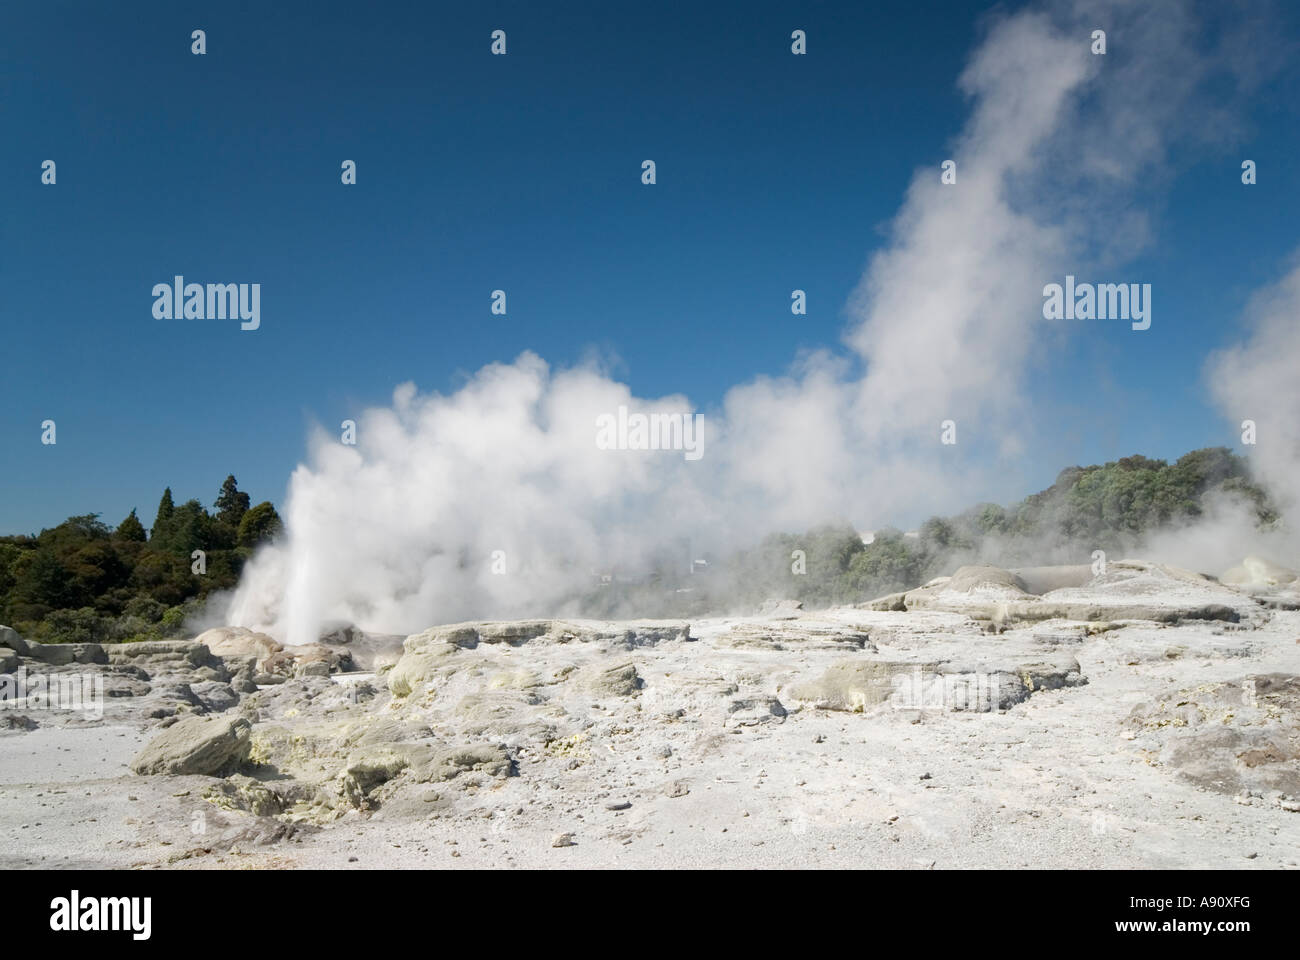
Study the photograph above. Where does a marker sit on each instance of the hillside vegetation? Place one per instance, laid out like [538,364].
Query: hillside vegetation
[84,581]
[1112,507]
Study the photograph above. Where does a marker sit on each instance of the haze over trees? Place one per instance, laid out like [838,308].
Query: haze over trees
[1113,507]
[85,581]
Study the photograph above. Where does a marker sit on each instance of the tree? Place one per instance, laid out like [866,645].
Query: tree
[9,553]
[165,577]
[93,569]
[87,526]
[131,529]
[938,532]
[260,524]
[191,529]
[162,522]
[43,584]
[231,503]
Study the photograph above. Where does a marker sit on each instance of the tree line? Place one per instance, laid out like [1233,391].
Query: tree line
[1113,507]
[83,581]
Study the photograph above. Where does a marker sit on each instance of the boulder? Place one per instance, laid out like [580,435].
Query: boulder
[242,672]
[9,638]
[470,635]
[491,759]
[982,592]
[372,777]
[240,642]
[162,655]
[432,653]
[1238,737]
[367,652]
[979,577]
[988,683]
[751,711]
[195,745]
[122,682]
[312,668]
[419,665]
[1128,590]
[168,698]
[854,686]
[310,660]
[340,633]
[64,654]
[238,792]
[620,680]
[215,695]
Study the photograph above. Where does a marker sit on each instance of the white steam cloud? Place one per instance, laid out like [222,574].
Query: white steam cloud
[400,531]
[1257,381]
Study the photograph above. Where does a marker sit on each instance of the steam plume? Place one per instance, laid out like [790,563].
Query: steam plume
[400,531]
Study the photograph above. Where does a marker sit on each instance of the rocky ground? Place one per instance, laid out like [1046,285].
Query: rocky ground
[1148,717]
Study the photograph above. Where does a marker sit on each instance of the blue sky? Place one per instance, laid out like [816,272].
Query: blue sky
[522,173]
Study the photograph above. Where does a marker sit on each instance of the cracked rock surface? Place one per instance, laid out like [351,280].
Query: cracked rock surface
[1041,717]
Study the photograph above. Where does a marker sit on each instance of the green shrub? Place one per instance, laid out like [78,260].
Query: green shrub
[76,626]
